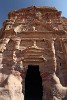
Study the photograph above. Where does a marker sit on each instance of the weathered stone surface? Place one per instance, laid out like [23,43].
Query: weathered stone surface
[37,36]
[15,87]
[4,94]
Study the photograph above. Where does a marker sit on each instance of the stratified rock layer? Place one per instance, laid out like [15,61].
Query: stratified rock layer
[37,36]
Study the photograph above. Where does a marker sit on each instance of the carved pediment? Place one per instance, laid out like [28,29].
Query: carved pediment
[33,49]
[32,54]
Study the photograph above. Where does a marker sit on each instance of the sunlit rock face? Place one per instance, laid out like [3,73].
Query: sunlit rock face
[13,89]
[18,29]
[34,36]
[59,91]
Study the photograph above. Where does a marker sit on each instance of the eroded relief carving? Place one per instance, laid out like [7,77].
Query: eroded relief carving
[37,36]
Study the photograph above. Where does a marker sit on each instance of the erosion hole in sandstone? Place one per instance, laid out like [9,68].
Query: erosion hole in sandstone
[33,83]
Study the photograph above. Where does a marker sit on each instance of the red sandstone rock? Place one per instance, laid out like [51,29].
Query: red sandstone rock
[37,36]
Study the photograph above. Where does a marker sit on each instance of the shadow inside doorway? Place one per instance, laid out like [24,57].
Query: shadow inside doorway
[33,83]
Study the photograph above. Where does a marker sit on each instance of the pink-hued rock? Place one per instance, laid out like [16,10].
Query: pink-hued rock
[15,88]
[33,36]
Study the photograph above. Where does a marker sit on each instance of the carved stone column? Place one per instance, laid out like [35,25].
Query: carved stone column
[54,56]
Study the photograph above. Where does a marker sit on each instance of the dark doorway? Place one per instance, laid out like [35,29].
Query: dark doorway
[33,84]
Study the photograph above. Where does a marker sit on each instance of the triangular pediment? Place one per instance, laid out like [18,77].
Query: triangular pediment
[33,49]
